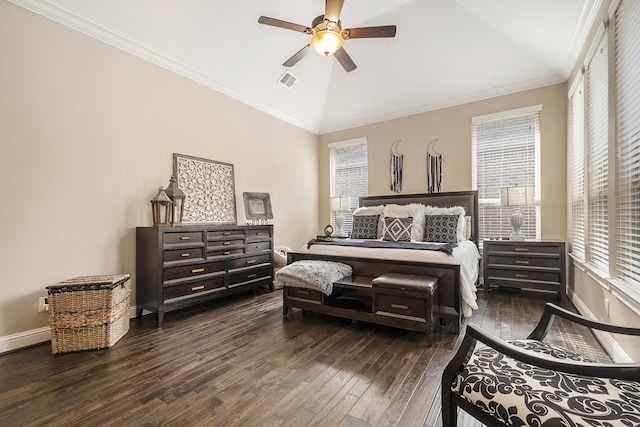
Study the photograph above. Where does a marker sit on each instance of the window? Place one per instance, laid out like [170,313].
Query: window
[597,82]
[627,102]
[349,175]
[576,141]
[506,149]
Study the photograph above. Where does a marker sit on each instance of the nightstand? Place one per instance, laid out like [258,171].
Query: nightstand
[533,264]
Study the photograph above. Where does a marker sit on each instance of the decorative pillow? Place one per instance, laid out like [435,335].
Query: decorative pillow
[372,210]
[365,227]
[454,210]
[397,229]
[441,228]
[413,210]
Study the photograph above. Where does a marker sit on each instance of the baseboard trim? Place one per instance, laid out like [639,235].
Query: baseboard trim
[606,339]
[35,336]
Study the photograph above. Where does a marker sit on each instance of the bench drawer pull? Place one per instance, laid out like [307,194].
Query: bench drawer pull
[303,292]
[400,306]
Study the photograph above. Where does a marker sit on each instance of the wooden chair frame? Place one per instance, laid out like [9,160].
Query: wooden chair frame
[452,401]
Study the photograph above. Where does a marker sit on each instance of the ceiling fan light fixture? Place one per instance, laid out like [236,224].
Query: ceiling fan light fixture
[326,42]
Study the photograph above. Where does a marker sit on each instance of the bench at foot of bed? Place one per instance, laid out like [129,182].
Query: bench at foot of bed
[405,301]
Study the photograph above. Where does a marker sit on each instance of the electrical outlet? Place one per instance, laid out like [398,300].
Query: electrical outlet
[43,304]
[606,306]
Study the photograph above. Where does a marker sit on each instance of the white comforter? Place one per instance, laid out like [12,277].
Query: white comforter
[466,255]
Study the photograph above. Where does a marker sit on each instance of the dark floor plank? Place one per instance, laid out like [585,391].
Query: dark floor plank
[239,362]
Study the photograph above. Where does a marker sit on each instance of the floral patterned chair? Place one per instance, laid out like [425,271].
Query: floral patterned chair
[531,382]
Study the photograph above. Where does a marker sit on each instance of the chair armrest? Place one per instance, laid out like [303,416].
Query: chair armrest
[623,371]
[551,310]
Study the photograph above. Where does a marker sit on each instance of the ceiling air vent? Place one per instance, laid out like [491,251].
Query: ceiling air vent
[287,80]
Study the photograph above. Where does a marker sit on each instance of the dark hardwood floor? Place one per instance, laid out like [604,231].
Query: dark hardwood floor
[239,362]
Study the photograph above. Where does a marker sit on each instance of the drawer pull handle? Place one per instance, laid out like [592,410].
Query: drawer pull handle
[251,276]
[252,261]
[521,249]
[184,255]
[226,233]
[197,270]
[197,288]
[259,233]
[400,306]
[184,238]
[523,276]
[226,252]
[226,243]
[303,292]
[522,262]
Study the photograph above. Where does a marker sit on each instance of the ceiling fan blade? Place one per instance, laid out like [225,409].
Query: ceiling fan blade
[283,24]
[369,32]
[297,56]
[345,60]
[332,10]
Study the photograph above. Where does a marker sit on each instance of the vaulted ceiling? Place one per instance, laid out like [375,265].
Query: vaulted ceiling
[445,52]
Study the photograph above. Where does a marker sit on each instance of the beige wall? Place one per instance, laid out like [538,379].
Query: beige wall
[87,134]
[452,127]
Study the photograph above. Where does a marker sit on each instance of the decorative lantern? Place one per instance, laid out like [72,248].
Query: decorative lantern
[177,197]
[161,208]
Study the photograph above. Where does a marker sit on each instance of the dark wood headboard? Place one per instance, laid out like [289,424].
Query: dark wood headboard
[467,199]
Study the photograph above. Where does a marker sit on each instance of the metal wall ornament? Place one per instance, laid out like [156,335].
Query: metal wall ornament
[434,168]
[395,164]
[209,187]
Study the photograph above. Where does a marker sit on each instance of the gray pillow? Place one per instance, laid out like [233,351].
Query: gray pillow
[397,229]
[365,227]
[441,228]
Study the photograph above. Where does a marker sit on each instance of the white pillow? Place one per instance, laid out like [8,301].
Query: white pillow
[454,210]
[413,210]
[373,210]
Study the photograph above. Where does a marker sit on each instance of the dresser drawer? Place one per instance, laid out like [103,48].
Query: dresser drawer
[193,288]
[225,234]
[215,252]
[249,275]
[182,238]
[216,245]
[258,233]
[525,261]
[524,275]
[249,261]
[193,270]
[258,247]
[411,307]
[187,254]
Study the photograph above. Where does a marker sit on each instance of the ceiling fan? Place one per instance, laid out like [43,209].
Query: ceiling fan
[327,34]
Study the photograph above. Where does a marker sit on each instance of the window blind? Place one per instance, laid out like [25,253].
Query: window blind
[576,117]
[597,146]
[349,176]
[505,153]
[627,88]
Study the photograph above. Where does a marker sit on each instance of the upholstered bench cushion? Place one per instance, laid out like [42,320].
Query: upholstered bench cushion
[519,394]
[406,282]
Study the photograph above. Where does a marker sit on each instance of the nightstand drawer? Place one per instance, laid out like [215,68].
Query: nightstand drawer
[524,261]
[524,248]
[524,275]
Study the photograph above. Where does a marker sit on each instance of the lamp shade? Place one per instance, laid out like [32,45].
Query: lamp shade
[339,204]
[326,42]
[516,196]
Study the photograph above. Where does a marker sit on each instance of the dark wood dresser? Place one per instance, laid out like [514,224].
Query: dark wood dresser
[177,267]
[537,265]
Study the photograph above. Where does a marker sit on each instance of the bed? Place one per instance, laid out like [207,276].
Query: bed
[456,265]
